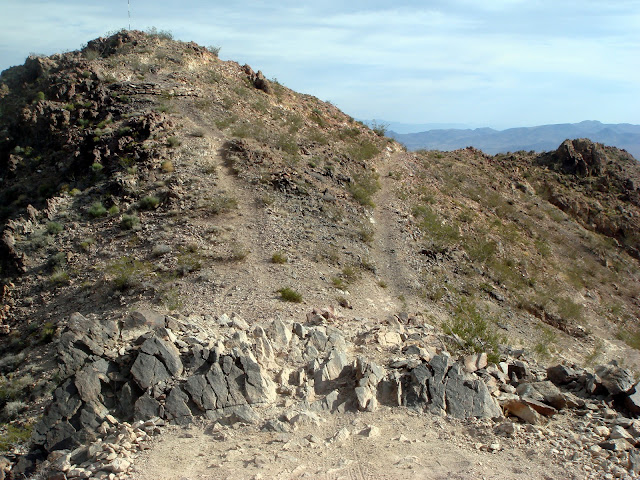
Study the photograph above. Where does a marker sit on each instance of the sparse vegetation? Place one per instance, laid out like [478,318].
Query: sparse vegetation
[97,209]
[149,202]
[473,330]
[364,186]
[290,295]
[54,228]
[130,222]
[279,258]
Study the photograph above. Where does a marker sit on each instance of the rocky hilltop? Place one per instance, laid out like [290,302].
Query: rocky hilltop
[191,250]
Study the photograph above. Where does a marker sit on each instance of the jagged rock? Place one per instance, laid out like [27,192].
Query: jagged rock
[616,445]
[235,414]
[331,370]
[519,371]
[146,319]
[176,407]
[540,407]
[581,156]
[632,402]
[258,388]
[368,376]
[88,384]
[475,362]
[275,425]
[467,396]
[262,347]
[164,351]
[615,379]
[561,374]
[545,392]
[148,371]
[82,338]
[280,334]
[523,411]
[427,385]
[146,407]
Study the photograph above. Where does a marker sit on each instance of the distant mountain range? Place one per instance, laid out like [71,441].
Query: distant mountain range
[541,138]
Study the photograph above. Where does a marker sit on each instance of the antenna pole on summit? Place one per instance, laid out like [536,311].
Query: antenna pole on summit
[129,11]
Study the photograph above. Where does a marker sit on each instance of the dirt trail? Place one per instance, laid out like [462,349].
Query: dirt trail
[408,446]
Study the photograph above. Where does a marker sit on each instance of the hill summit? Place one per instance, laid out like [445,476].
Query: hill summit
[185,239]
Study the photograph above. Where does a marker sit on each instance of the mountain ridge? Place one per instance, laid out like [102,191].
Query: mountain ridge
[539,138]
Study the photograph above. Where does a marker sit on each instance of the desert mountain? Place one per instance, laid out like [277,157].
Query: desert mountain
[541,138]
[187,242]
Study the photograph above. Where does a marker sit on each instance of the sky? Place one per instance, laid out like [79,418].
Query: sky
[495,63]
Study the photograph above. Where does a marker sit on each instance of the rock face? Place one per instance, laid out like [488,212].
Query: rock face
[581,157]
[146,382]
[442,386]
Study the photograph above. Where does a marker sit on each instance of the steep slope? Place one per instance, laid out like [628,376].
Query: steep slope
[146,174]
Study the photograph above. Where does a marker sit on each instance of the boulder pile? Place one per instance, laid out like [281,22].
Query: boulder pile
[123,379]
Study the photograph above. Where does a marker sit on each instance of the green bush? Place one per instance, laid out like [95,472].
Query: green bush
[59,277]
[114,210]
[97,210]
[289,295]
[363,187]
[97,168]
[473,330]
[129,222]
[279,258]
[149,202]
[173,142]
[128,272]
[215,50]
[15,435]
[54,228]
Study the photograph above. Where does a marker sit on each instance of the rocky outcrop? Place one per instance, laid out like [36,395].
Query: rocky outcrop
[581,157]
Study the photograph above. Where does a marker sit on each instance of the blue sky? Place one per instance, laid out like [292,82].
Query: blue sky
[499,63]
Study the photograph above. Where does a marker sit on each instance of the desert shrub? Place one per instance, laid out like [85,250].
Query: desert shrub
[39,97]
[473,330]
[87,243]
[128,272]
[363,187]
[114,210]
[15,435]
[149,202]
[289,295]
[173,142]
[433,227]
[362,151]
[215,50]
[189,260]
[90,54]
[54,228]
[59,277]
[130,222]
[97,168]
[379,129]
[97,209]
[279,258]
[222,204]
[167,166]
[162,34]
[238,251]
[568,309]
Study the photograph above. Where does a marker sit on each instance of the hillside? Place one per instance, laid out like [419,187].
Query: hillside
[541,138]
[186,241]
